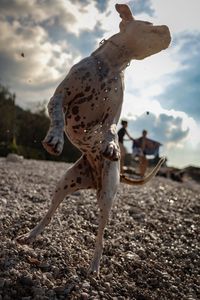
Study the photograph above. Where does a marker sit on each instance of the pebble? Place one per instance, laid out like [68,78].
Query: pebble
[86,285]
[107,286]
[2,282]
[26,280]
[3,201]
[84,296]
[38,291]
[60,290]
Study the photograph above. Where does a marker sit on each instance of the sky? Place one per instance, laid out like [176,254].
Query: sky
[40,40]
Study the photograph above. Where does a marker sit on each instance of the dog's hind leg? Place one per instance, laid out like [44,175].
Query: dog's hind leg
[79,176]
[105,197]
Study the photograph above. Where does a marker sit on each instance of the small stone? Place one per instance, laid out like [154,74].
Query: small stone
[132,256]
[60,290]
[86,285]
[44,266]
[107,286]
[2,282]
[174,289]
[38,291]
[6,297]
[84,296]
[26,280]
[50,294]
[141,253]
[3,201]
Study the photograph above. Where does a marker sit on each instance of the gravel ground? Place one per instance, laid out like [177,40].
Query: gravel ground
[151,242]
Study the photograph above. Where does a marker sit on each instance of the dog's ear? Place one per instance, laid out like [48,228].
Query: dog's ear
[125,14]
[124,11]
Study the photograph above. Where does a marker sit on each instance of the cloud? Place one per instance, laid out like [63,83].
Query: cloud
[30,27]
[35,12]
[138,7]
[167,129]
[184,90]
[40,56]
[42,66]
[180,141]
[183,157]
[180,16]
[86,42]
[53,35]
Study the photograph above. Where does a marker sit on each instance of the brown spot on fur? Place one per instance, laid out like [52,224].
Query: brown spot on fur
[87,88]
[103,85]
[77,118]
[79,180]
[75,110]
[79,95]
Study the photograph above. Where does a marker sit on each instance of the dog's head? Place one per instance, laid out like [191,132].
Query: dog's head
[141,38]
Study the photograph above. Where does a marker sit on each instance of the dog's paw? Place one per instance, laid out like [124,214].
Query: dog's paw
[24,239]
[54,141]
[93,270]
[111,151]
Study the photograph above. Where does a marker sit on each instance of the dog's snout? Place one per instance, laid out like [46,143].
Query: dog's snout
[163,31]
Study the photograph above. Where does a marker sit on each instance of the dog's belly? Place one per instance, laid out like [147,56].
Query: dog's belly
[86,130]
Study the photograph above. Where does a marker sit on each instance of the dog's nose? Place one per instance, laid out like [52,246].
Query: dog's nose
[166,34]
[163,31]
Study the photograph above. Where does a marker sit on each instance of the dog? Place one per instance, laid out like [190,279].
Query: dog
[87,106]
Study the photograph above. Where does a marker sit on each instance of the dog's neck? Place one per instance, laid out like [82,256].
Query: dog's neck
[113,53]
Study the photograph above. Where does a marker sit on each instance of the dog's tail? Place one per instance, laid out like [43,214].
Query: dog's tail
[131,181]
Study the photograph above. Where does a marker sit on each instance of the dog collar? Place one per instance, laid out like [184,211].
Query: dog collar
[121,50]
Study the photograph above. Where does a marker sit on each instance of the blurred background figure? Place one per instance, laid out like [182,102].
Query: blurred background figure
[121,133]
[142,147]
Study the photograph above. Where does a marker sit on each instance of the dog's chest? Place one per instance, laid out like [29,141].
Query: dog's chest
[96,102]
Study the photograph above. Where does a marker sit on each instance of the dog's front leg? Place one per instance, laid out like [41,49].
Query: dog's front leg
[54,139]
[105,197]
[110,145]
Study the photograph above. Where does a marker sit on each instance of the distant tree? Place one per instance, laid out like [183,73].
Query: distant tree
[7,116]
[22,131]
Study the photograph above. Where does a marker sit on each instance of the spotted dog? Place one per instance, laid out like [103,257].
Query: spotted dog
[87,106]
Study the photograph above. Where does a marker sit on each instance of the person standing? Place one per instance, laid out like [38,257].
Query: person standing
[121,133]
[143,162]
[142,147]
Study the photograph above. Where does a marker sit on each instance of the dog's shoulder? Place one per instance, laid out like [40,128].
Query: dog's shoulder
[86,64]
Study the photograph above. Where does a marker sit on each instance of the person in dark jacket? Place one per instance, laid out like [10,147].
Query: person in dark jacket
[121,133]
